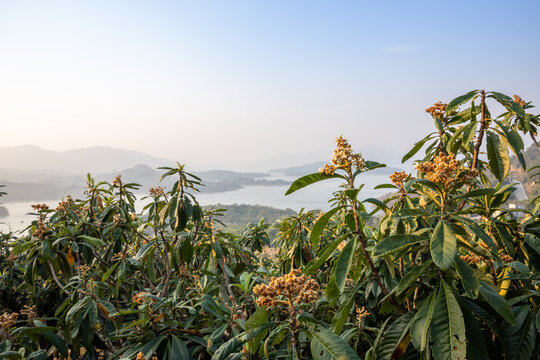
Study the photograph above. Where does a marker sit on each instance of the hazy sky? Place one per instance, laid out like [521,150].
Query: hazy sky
[236,83]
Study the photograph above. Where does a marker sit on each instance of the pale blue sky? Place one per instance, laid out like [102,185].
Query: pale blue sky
[250,84]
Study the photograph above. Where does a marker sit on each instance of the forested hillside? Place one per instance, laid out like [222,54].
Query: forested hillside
[237,216]
[530,182]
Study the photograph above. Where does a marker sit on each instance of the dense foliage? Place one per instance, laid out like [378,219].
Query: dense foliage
[449,271]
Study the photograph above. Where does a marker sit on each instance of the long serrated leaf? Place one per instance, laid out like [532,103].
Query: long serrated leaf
[319,226]
[392,338]
[324,254]
[421,323]
[343,264]
[410,277]
[447,329]
[415,148]
[497,302]
[396,242]
[468,278]
[333,345]
[443,245]
[453,105]
[95,242]
[499,161]
[310,179]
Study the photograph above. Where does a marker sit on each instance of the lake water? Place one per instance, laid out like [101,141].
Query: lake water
[315,196]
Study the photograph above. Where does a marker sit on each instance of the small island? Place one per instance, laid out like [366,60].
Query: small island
[3,211]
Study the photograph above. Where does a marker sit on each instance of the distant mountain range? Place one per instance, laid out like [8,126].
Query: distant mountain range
[96,159]
[31,173]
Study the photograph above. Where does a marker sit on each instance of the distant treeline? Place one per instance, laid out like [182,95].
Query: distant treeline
[238,216]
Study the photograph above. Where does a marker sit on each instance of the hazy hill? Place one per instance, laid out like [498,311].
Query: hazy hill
[315,166]
[96,159]
[37,185]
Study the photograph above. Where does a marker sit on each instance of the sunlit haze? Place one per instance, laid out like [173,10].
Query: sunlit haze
[252,84]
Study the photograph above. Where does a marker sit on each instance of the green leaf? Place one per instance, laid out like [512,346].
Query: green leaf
[386,186]
[443,245]
[12,355]
[476,344]
[343,312]
[95,242]
[421,323]
[396,242]
[468,278]
[150,347]
[519,267]
[454,104]
[533,242]
[479,232]
[343,264]
[497,302]
[455,140]
[310,179]
[408,213]
[372,165]
[37,355]
[228,348]
[410,277]
[468,133]
[499,161]
[333,345]
[178,350]
[258,318]
[378,203]
[515,142]
[33,330]
[319,226]
[478,192]
[109,272]
[520,345]
[447,327]
[396,335]
[415,148]
[332,291]
[325,253]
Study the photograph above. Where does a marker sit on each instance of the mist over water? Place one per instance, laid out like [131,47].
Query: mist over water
[315,196]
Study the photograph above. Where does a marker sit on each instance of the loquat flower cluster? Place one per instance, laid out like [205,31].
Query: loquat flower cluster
[519,100]
[83,269]
[444,169]
[299,289]
[118,219]
[140,297]
[65,204]
[344,158]
[506,258]
[398,178]
[40,207]
[156,191]
[117,181]
[40,231]
[472,259]
[341,245]
[6,322]
[29,312]
[361,313]
[438,110]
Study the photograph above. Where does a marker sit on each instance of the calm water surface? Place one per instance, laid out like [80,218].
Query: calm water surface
[315,196]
